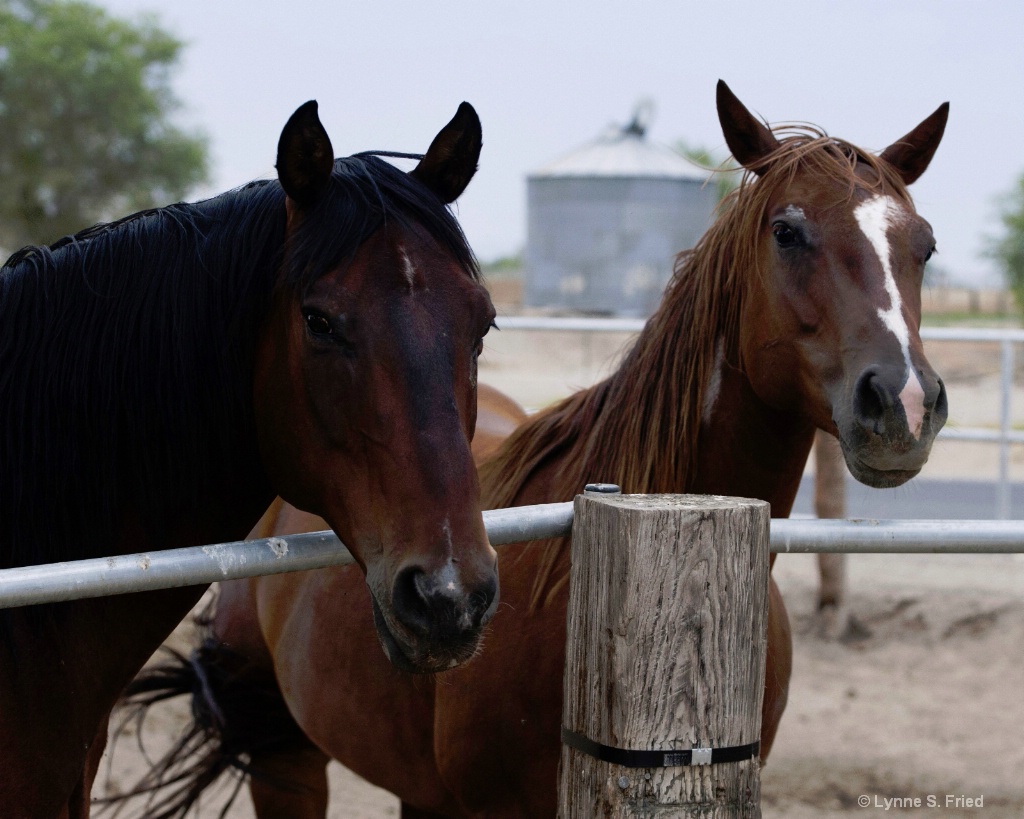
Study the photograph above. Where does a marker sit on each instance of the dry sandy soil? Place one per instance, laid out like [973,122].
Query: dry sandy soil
[924,699]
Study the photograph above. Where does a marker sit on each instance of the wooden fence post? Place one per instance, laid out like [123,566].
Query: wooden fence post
[665,654]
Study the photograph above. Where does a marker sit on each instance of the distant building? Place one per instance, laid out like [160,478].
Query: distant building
[605,222]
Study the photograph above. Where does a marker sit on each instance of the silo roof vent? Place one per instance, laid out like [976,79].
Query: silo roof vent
[624,151]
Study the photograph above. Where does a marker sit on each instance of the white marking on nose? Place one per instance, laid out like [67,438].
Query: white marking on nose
[912,398]
[449,574]
[875,217]
[448,578]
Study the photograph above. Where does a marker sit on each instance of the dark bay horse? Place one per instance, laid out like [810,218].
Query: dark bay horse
[164,376]
[497,417]
[799,309]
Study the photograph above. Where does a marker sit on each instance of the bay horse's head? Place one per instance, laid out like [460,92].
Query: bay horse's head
[366,380]
[830,322]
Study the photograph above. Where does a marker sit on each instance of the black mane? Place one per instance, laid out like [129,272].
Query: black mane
[127,352]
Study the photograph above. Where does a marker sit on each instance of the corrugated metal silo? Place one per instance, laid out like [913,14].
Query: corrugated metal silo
[604,224]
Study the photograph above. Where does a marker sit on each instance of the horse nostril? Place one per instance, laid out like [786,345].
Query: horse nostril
[482,601]
[871,402]
[409,603]
[437,606]
[941,407]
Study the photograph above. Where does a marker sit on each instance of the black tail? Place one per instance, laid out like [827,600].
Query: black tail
[237,713]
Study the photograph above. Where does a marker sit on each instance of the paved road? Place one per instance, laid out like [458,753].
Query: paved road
[920,498]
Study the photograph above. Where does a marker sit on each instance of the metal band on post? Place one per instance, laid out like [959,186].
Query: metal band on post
[659,759]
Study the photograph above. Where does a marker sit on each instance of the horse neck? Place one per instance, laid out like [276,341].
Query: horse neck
[161,429]
[747,449]
[215,469]
[731,444]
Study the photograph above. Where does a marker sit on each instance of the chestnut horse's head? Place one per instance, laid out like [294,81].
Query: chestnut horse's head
[830,325]
[366,380]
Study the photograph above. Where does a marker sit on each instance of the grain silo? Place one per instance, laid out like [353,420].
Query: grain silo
[604,223]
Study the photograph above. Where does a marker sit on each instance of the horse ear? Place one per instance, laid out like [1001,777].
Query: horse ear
[305,158]
[749,140]
[911,155]
[451,160]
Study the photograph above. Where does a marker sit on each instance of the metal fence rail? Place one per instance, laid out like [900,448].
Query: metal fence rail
[898,536]
[198,565]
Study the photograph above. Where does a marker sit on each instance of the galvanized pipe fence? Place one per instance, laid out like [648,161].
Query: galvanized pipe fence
[200,565]
[1005,436]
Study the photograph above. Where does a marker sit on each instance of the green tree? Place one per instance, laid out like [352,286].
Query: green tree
[1008,251]
[85,102]
[727,172]
[504,265]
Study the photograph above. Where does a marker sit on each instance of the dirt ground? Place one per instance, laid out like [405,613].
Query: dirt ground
[924,698]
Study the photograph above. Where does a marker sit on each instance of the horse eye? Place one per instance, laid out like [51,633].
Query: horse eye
[319,325]
[479,348]
[931,253]
[785,236]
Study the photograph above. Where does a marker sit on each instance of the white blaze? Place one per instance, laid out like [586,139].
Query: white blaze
[875,217]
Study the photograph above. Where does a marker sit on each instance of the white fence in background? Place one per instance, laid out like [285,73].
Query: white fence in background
[1004,436]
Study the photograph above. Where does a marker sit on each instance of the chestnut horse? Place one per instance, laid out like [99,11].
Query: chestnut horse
[799,309]
[164,376]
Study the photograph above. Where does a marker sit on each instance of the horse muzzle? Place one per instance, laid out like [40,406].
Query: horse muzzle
[434,622]
[890,423]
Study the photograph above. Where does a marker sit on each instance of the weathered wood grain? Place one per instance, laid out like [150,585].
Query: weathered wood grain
[666,651]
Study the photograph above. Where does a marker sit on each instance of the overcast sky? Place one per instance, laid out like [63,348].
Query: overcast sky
[547,76]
